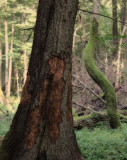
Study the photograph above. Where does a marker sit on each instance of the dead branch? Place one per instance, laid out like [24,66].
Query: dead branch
[89,89]
[102,15]
[80,105]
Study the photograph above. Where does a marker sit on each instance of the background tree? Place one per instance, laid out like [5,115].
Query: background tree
[94,72]
[115,28]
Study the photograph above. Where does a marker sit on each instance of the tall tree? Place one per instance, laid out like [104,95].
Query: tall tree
[42,128]
[95,73]
[10,60]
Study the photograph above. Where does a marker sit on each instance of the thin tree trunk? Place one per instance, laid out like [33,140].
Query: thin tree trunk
[124,55]
[106,64]
[10,62]
[25,63]
[42,128]
[115,28]
[74,37]
[24,50]
[6,51]
[118,74]
[17,82]
[123,12]
[0,65]
[0,54]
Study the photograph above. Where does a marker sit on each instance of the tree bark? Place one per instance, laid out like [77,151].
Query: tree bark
[96,74]
[42,128]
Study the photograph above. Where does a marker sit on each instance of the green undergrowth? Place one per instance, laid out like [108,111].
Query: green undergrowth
[5,122]
[6,115]
[103,143]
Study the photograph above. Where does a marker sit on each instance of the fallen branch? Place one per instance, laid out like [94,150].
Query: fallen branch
[80,105]
[89,89]
[6,114]
[28,28]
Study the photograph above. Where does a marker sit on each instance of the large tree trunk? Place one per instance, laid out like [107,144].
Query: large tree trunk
[96,74]
[42,128]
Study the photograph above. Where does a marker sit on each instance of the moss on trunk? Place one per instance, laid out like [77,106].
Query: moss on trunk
[98,76]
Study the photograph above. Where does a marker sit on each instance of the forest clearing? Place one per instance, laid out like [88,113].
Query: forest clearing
[63,80]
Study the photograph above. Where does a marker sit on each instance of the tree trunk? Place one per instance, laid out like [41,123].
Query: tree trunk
[95,73]
[17,82]
[118,62]
[123,12]
[124,55]
[42,128]
[0,65]
[24,51]
[10,62]
[0,53]
[6,51]
[115,28]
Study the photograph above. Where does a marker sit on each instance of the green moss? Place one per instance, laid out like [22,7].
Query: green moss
[98,76]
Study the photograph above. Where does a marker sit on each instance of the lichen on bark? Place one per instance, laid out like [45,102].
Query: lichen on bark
[99,77]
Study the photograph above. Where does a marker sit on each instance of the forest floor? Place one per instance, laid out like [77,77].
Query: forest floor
[96,140]
[97,143]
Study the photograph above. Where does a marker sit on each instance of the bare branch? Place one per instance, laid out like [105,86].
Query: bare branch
[6,114]
[89,89]
[102,15]
[80,105]
[28,28]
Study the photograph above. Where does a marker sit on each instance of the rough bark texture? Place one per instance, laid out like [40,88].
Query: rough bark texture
[95,73]
[42,127]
